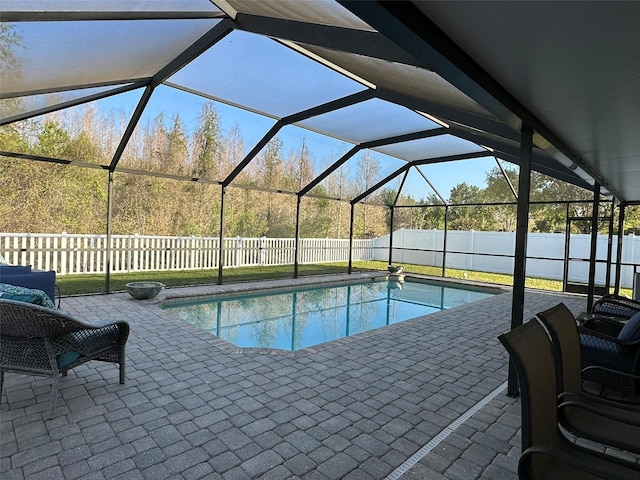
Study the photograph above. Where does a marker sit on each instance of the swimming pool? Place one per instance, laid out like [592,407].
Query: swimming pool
[293,320]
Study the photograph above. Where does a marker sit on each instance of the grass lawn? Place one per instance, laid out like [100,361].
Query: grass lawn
[95,283]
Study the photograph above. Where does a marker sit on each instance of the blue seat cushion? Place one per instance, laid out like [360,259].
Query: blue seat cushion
[86,342]
[631,331]
[598,351]
[66,358]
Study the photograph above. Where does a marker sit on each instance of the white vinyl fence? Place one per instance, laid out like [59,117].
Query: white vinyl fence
[493,252]
[466,250]
[72,254]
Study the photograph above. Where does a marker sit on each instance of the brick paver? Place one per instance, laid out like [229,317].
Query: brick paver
[195,406]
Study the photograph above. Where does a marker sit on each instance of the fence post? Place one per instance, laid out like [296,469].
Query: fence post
[631,238]
[63,253]
[261,247]
[91,254]
[24,250]
[14,245]
[129,245]
[136,252]
[472,242]
[85,253]
[32,259]
[49,258]
[238,254]
[39,256]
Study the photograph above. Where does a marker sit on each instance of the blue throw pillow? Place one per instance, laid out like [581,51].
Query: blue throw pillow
[26,298]
[23,294]
[631,331]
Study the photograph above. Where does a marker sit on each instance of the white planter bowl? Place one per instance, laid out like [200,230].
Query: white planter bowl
[143,290]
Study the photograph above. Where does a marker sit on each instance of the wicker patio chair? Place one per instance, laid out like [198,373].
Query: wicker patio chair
[585,415]
[546,453]
[39,341]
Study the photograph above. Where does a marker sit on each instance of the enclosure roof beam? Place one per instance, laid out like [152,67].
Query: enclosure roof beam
[172,176]
[131,126]
[337,104]
[402,182]
[59,161]
[138,82]
[541,162]
[359,42]
[94,15]
[213,36]
[196,48]
[407,26]
[407,137]
[451,158]
[372,144]
[426,179]
[506,177]
[328,171]
[297,117]
[450,114]
[549,170]
[273,131]
[71,103]
[381,183]
[206,181]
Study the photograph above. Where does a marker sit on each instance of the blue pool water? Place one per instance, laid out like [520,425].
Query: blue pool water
[292,320]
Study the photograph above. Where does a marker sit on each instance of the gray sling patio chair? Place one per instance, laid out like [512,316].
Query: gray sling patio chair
[583,414]
[40,341]
[546,453]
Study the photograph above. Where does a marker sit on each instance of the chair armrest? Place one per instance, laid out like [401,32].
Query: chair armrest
[594,333]
[88,341]
[629,419]
[606,324]
[612,371]
[106,323]
[122,326]
[566,459]
[605,402]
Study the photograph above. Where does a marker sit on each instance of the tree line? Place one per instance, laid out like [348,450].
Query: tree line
[180,194]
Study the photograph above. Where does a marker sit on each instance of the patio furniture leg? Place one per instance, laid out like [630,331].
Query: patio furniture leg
[122,366]
[54,396]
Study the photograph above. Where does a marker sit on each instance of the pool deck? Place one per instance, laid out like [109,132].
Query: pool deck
[421,399]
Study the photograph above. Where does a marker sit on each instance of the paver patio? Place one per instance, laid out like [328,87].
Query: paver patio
[381,404]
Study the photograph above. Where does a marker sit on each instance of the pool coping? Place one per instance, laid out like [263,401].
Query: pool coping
[179,294]
[186,293]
